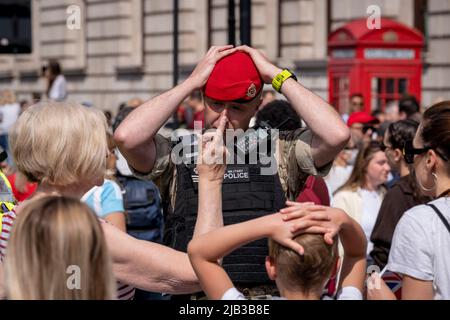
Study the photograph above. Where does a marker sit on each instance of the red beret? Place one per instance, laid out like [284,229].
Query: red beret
[361,117]
[234,77]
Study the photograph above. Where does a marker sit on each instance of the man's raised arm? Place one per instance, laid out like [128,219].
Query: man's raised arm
[135,134]
[330,134]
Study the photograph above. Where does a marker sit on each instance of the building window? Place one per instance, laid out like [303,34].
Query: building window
[341,96]
[386,90]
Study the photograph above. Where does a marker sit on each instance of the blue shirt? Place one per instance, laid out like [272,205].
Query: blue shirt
[105,199]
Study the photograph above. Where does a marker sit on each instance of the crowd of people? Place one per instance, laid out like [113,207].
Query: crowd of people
[355,208]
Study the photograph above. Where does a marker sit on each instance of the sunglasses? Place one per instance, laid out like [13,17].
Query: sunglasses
[367,128]
[409,152]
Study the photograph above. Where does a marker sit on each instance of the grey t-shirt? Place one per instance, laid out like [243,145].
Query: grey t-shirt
[421,247]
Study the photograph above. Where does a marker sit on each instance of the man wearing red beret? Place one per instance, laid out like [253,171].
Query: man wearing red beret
[361,126]
[232,80]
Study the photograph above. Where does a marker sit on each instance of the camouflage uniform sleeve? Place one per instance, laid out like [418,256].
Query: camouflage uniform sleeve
[296,162]
[304,156]
[162,171]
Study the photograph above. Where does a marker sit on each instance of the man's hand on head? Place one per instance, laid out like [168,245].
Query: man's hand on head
[204,68]
[266,69]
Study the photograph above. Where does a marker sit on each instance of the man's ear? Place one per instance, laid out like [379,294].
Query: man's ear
[270,268]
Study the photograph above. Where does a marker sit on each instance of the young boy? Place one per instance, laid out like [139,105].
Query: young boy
[300,261]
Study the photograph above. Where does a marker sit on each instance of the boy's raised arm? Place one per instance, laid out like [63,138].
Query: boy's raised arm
[211,169]
[353,271]
[205,250]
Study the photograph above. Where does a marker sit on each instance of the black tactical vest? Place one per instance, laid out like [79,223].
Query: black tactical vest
[246,194]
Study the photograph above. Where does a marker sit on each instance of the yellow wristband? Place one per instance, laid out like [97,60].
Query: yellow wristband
[280,78]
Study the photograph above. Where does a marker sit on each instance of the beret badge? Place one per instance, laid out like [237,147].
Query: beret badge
[251,91]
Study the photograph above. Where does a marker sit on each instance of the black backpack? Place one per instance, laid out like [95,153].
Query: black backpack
[142,202]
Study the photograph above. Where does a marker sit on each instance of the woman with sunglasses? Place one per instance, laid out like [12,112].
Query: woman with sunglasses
[420,247]
[402,196]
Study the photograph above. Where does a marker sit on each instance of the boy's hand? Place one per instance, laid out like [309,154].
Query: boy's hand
[266,69]
[284,230]
[213,153]
[281,232]
[311,218]
[204,68]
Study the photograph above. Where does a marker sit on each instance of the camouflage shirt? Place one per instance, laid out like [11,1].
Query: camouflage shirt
[293,159]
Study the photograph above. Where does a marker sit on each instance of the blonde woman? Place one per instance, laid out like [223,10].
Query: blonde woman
[53,239]
[63,148]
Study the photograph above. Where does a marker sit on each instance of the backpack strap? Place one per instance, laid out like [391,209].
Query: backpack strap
[1,223]
[441,216]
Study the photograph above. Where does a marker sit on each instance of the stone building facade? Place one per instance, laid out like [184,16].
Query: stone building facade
[123,48]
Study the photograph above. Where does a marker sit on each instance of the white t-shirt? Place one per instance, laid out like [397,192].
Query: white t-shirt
[58,91]
[122,164]
[371,201]
[105,199]
[347,293]
[9,113]
[421,247]
[337,176]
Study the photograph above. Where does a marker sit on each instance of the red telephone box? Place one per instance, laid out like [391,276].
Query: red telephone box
[381,64]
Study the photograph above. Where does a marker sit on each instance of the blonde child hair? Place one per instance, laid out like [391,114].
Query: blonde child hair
[308,273]
[53,238]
